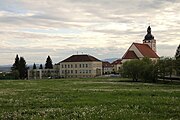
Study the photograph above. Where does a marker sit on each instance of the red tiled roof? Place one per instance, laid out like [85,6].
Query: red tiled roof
[80,58]
[117,62]
[106,64]
[146,51]
[130,55]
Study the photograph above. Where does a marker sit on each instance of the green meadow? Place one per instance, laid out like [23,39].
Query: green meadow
[88,99]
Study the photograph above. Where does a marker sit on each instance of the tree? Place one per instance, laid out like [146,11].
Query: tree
[16,63]
[22,68]
[166,67]
[132,69]
[48,64]
[177,61]
[149,70]
[177,66]
[40,67]
[34,66]
[15,68]
[177,56]
[144,69]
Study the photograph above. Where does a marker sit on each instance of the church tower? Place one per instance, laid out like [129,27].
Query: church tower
[149,39]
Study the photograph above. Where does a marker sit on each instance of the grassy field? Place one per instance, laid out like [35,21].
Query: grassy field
[92,99]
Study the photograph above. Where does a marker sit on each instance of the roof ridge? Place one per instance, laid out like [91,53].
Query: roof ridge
[80,58]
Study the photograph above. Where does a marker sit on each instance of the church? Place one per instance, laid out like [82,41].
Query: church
[141,50]
[138,51]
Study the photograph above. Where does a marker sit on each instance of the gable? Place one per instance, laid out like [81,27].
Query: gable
[130,55]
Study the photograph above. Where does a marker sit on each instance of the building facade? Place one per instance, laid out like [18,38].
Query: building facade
[107,68]
[42,73]
[117,64]
[80,66]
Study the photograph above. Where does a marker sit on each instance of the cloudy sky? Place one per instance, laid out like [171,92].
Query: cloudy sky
[35,29]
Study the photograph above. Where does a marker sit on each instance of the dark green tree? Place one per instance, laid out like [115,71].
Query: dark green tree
[177,55]
[22,68]
[16,63]
[40,67]
[166,67]
[177,66]
[132,69]
[149,72]
[144,69]
[34,66]
[48,64]
[177,61]
[15,68]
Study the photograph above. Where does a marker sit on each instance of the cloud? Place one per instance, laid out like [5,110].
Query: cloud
[102,28]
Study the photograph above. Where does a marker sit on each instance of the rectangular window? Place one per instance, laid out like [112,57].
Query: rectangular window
[68,66]
[86,65]
[80,65]
[75,71]
[62,66]
[75,65]
[83,65]
[71,66]
[71,71]
[65,65]
[89,71]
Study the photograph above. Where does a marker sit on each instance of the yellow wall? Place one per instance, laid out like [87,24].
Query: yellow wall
[80,69]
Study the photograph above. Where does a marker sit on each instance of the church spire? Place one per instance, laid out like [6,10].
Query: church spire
[149,36]
[149,30]
[149,39]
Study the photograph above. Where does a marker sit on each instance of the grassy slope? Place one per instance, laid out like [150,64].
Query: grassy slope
[88,99]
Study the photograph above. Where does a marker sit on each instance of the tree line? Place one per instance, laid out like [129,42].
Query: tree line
[19,69]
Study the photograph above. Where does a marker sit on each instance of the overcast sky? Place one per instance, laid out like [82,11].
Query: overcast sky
[35,29]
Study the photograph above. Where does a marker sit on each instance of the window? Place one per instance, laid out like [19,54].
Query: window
[68,66]
[79,71]
[71,66]
[62,71]
[75,71]
[62,66]
[83,65]
[86,65]
[80,65]
[89,71]
[65,65]
[75,65]
[86,71]
[71,71]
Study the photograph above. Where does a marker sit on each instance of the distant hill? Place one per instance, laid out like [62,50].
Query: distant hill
[110,59]
[5,68]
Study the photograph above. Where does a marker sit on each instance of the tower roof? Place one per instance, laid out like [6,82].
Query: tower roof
[149,36]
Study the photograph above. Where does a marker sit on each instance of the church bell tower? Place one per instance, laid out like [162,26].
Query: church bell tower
[149,39]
